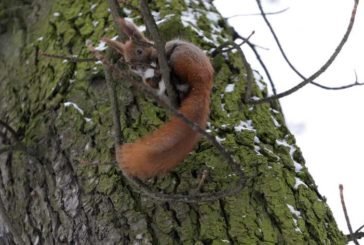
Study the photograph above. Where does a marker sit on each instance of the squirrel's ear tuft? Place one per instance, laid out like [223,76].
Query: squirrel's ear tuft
[131,30]
[118,46]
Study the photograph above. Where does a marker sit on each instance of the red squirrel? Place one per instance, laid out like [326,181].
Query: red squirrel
[192,72]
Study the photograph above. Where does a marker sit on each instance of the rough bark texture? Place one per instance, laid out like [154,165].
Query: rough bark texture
[73,193]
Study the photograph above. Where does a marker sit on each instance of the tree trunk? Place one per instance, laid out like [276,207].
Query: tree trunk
[68,190]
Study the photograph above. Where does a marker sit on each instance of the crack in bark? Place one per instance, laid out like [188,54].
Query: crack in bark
[139,208]
[174,233]
[151,230]
[80,213]
[194,208]
[225,216]
[9,223]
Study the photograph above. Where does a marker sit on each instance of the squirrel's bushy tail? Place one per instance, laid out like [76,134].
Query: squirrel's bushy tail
[165,148]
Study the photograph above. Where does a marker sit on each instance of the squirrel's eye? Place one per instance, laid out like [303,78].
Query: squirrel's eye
[139,51]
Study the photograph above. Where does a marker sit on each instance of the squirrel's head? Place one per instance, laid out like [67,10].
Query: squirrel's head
[137,51]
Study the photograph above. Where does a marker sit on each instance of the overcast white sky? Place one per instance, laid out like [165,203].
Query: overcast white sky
[328,125]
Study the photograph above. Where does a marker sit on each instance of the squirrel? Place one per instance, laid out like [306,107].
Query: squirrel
[192,74]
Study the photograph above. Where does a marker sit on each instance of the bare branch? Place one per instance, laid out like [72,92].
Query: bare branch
[340,87]
[261,62]
[277,40]
[249,75]
[115,13]
[12,131]
[203,177]
[359,229]
[249,78]
[255,14]
[69,58]
[223,47]
[356,236]
[321,70]
[238,36]
[265,69]
[19,146]
[160,46]
[341,188]
[289,62]
[112,92]
[114,103]
[356,83]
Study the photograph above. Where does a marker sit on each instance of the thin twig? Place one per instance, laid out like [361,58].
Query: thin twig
[285,57]
[265,69]
[236,35]
[261,62]
[263,14]
[341,188]
[359,229]
[12,131]
[322,69]
[77,60]
[356,83]
[249,74]
[69,58]
[114,102]
[340,87]
[160,46]
[357,236]
[221,48]
[115,13]
[255,14]
[204,175]
[18,146]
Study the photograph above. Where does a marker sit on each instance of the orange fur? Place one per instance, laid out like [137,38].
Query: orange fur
[163,149]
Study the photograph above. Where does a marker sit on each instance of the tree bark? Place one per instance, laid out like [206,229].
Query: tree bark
[66,189]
